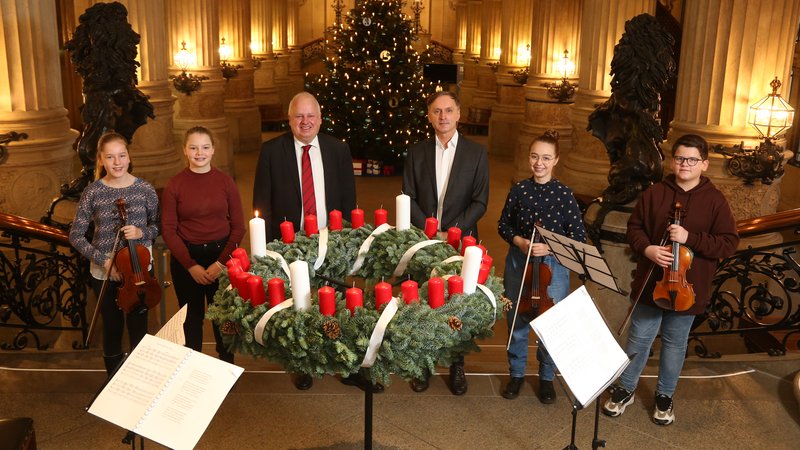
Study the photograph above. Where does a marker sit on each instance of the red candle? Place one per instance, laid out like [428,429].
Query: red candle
[483,249]
[232,272]
[383,294]
[381,217]
[311,227]
[255,284]
[357,218]
[454,237]
[287,232]
[410,291]
[487,259]
[233,262]
[277,292]
[354,298]
[241,285]
[431,225]
[335,220]
[327,300]
[435,292]
[455,285]
[241,255]
[468,241]
[483,273]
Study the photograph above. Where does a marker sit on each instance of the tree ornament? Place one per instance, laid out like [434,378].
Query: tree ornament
[332,329]
[394,102]
[366,21]
[386,56]
[229,328]
[507,305]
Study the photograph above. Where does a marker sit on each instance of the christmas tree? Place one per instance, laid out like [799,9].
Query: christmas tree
[373,95]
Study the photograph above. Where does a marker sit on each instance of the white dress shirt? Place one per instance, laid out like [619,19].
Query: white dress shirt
[444,162]
[319,179]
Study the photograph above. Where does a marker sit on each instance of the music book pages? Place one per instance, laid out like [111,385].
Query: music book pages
[166,392]
[582,347]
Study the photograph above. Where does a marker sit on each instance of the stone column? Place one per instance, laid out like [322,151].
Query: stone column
[556,27]
[485,95]
[31,102]
[156,154]
[266,93]
[460,7]
[515,42]
[743,46]
[281,50]
[472,54]
[196,23]
[585,167]
[244,119]
[295,70]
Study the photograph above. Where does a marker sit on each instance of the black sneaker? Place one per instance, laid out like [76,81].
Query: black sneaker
[620,399]
[513,387]
[662,414]
[547,393]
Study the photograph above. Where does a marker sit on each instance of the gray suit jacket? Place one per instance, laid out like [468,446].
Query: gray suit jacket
[467,189]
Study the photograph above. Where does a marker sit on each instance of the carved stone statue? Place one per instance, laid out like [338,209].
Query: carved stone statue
[627,123]
[103,50]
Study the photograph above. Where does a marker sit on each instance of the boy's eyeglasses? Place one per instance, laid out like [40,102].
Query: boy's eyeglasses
[691,162]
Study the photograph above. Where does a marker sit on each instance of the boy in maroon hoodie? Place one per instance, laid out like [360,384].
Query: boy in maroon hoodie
[708,228]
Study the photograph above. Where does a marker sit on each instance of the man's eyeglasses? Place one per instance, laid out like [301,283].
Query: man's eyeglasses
[691,162]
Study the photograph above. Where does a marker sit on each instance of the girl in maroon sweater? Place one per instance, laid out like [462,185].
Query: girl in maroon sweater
[202,222]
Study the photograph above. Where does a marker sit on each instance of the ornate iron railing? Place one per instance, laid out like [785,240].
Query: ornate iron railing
[756,292]
[314,50]
[43,283]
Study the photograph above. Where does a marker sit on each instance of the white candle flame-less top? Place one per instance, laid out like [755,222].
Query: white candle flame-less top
[403,210]
[470,268]
[301,285]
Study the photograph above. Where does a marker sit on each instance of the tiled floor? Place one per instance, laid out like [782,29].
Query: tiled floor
[734,402]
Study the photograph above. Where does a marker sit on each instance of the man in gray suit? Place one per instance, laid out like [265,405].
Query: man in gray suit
[447,177]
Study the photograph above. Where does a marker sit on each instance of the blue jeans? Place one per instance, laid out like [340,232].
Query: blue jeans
[558,289]
[645,324]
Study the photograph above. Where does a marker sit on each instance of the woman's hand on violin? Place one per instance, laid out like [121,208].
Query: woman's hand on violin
[540,249]
[199,275]
[659,255]
[522,243]
[678,234]
[132,232]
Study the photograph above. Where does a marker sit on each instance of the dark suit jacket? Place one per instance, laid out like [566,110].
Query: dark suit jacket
[467,189]
[276,190]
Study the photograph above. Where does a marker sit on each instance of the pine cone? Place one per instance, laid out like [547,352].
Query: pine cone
[229,328]
[455,323]
[332,329]
[506,303]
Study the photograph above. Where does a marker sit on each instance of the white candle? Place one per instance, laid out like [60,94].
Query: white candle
[258,236]
[403,210]
[301,285]
[470,268]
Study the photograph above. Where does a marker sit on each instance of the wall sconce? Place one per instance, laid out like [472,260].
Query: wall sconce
[563,90]
[771,116]
[225,53]
[186,82]
[417,8]
[5,138]
[521,76]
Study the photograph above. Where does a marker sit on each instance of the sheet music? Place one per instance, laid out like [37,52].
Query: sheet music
[173,330]
[581,345]
[166,392]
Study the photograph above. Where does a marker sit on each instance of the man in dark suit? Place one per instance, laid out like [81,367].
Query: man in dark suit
[278,189]
[305,172]
[447,177]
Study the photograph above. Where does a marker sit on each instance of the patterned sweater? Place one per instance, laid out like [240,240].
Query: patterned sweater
[551,202]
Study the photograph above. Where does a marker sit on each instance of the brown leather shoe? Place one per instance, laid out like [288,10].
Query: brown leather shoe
[303,381]
[458,379]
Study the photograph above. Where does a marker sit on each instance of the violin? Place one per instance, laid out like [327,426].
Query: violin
[534,288]
[140,291]
[673,292]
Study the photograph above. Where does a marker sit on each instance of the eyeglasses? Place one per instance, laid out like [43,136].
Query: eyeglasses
[545,159]
[691,162]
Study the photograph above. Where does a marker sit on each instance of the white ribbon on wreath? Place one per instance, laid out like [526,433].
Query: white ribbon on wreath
[406,258]
[362,252]
[258,331]
[323,248]
[447,261]
[376,339]
[277,256]
[489,295]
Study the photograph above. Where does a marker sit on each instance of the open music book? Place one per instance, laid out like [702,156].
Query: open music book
[581,345]
[166,392]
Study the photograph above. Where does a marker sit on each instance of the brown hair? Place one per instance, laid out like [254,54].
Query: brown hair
[198,130]
[548,137]
[692,140]
[432,98]
[107,137]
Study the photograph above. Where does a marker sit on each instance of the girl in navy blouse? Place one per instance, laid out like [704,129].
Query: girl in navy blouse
[545,199]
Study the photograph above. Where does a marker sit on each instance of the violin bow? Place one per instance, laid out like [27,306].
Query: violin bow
[519,293]
[102,292]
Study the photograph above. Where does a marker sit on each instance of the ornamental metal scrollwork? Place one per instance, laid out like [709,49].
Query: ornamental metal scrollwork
[5,138]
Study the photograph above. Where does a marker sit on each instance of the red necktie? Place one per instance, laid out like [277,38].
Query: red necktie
[309,199]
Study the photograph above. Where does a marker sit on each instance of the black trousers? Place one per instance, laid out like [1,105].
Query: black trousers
[198,295]
[114,319]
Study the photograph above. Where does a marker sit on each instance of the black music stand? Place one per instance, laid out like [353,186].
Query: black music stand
[589,264]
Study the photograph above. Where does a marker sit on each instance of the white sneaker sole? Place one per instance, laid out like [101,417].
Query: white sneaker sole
[612,409]
[663,418]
